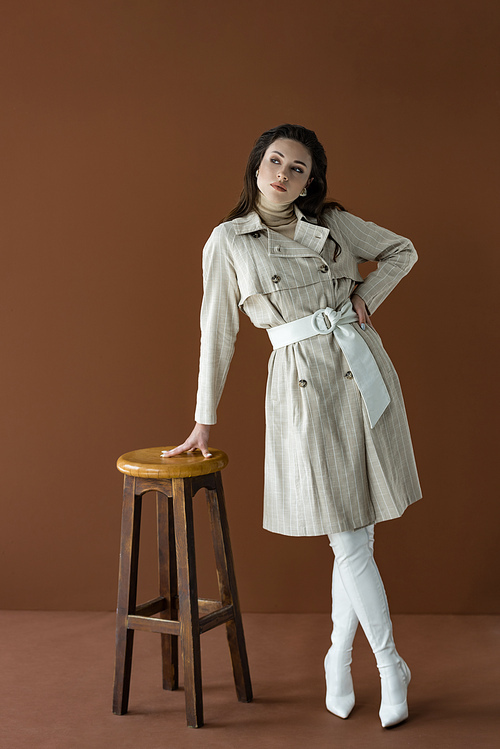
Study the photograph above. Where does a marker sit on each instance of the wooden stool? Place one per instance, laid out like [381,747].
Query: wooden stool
[181,614]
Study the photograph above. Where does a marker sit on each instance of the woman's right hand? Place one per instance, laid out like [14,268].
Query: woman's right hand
[198,439]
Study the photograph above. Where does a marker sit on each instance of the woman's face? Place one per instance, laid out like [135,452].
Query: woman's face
[284,171]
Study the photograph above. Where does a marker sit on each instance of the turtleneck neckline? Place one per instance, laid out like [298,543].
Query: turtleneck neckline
[274,214]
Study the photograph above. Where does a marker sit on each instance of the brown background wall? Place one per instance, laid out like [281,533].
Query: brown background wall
[125,128]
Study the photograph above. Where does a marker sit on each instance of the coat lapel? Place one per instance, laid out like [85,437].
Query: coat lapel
[308,241]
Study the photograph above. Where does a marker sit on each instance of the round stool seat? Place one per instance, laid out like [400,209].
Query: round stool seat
[149,463]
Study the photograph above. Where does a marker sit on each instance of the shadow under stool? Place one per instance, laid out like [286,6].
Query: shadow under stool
[177,613]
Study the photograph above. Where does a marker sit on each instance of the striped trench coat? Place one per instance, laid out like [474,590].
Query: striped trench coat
[326,469]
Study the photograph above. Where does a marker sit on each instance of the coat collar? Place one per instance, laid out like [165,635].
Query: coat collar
[253,222]
[308,235]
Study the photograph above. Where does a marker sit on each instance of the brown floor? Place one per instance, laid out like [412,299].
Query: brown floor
[56,682]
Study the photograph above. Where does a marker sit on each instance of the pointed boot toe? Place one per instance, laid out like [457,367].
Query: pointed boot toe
[395,681]
[340,705]
[391,715]
[339,690]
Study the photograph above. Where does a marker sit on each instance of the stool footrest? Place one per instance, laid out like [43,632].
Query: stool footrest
[211,614]
[147,624]
[208,605]
[220,616]
[154,606]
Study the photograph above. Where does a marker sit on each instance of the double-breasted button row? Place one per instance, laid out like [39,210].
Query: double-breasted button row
[303,383]
[277,279]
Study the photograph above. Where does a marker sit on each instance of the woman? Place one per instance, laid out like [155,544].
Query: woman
[338,449]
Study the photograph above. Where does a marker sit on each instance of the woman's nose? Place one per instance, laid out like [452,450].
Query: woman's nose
[282,176]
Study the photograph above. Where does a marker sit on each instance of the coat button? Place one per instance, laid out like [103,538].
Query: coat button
[256,234]
[276,279]
[324,269]
[349,375]
[302,383]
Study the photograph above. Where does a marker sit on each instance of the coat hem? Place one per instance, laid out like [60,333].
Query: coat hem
[381,518]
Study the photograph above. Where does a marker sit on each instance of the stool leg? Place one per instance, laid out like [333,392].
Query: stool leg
[228,591]
[127,594]
[188,599]
[168,587]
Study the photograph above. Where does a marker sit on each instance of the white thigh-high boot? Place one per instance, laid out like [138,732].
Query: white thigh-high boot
[364,587]
[339,688]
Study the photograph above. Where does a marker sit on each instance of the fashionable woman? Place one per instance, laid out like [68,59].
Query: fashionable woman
[338,451]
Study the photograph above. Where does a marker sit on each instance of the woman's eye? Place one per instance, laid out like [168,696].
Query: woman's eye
[298,169]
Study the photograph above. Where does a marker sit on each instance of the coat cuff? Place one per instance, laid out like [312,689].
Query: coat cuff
[205,417]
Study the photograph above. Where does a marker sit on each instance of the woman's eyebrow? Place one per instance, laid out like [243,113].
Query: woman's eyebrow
[296,161]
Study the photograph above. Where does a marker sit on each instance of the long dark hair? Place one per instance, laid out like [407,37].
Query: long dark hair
[314,203]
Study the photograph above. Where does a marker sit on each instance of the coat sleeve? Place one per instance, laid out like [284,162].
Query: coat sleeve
[219,324]
[395,256]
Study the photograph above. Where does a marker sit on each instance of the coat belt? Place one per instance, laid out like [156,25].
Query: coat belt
[361,361]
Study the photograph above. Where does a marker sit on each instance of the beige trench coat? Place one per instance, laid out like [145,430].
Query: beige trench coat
[326,470]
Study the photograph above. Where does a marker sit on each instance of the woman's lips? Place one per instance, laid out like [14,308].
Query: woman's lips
[278,187]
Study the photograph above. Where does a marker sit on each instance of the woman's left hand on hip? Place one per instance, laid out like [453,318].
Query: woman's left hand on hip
[360,309]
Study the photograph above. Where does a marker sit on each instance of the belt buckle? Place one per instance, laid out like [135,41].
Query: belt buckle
[315,321]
